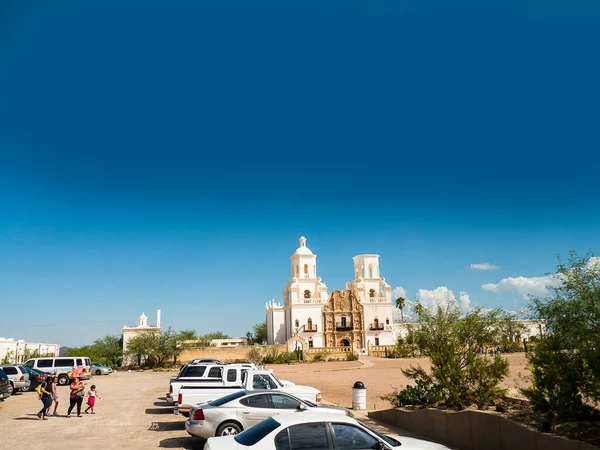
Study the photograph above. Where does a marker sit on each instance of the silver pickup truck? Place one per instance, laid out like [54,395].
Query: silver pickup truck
[249,380]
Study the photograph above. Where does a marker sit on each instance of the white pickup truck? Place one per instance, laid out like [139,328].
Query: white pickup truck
[202,373]
[202,392]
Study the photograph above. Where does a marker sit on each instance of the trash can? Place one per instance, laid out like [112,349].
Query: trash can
[359,396]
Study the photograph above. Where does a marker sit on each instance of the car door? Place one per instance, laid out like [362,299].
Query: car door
[254,409]
[282,404]
[305,436]
[350,437]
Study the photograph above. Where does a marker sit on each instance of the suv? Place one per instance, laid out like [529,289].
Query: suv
[62,366]
[5,386]
[18,377]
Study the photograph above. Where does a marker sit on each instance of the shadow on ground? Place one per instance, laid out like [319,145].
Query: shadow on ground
[163,404]
[167,426]
[188,443]
[159,411]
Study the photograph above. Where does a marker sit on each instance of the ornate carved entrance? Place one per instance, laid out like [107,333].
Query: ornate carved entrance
[343,320]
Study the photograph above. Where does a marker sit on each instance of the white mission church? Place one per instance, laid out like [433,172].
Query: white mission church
[359,316]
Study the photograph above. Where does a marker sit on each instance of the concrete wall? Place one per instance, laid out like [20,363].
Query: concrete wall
[474,430]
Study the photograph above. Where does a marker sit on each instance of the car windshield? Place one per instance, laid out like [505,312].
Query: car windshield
[277,381]
[389,440]
[252,435]
[227,398]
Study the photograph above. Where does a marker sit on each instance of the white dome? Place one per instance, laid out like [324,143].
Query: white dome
[143,316]
[303,249]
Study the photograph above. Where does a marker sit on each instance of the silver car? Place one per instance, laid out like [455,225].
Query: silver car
[99,369]
[18,377]
[239,411]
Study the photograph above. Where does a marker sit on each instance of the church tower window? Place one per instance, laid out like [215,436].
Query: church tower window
[307,294]
[297,323]
[309,323]
[370,271]
[371,292]
[305,270]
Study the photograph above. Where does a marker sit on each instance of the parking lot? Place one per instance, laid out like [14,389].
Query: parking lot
[132,412]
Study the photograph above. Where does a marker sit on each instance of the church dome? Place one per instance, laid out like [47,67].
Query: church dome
[303,249]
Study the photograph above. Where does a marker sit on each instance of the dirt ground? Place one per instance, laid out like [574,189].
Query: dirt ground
[380,376]
[133,413]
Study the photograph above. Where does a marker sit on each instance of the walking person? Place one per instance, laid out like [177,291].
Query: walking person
[54,395]
[92,396]
[46,398]
[76,397]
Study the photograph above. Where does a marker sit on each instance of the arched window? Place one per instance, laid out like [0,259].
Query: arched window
[387,320]
[309,323]
[310,342]
[371,292]
[376,322]
[297,323]
[307,294]
[370,271]
[297,271]
[305,270]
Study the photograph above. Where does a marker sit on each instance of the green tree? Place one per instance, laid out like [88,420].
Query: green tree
[419,310]
[565,362]
[110,349]
[458,376]
[206,339]
[258,335]
[182,340]
[400,304]
[139,347]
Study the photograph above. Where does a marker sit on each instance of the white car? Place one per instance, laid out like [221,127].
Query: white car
[240,410]
[313,431]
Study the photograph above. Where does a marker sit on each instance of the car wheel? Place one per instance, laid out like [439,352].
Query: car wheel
[228,429]
[26,388]
[63,380]
[11,388]
[98,372]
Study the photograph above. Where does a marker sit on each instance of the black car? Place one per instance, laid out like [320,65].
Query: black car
[5,387]
[36,377]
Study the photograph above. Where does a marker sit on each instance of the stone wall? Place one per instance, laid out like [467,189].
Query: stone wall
[225,354]
[474,430]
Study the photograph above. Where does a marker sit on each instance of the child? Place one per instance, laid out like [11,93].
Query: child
[92,394]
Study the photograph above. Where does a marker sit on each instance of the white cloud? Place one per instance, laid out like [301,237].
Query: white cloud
[523,285]
[465,301]
[398,291]
[484,266]
[442,296]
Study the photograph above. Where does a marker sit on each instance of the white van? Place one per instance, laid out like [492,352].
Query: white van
[61,366]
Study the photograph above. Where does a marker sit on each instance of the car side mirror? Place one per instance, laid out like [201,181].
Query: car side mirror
[379,446]
[302,407]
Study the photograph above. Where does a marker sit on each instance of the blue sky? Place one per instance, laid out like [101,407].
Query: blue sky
[171,153]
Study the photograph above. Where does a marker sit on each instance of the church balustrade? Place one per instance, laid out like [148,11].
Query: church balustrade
[328,349]
[343,326]
[311,330]
[310,301]
[376,300]
[376,326]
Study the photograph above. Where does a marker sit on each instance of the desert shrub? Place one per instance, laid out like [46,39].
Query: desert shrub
[565,362]
[255,355]
[351,356]
[401,350]
[458,377]
[286,357]
[270,357]
[424,393]
[320,356]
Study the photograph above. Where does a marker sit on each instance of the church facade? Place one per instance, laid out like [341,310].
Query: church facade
[355,317]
